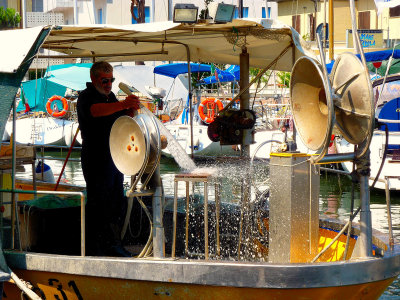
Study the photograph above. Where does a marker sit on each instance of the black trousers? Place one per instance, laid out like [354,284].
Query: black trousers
[106,203]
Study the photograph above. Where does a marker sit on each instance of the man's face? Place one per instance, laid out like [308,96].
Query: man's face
[103,83]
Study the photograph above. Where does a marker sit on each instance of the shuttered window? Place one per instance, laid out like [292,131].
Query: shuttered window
[364,20]
[296,23]
[311,19]
[394,11]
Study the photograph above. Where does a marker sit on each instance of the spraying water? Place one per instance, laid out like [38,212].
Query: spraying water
[176,150]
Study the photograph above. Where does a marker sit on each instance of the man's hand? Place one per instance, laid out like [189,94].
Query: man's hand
[131,101]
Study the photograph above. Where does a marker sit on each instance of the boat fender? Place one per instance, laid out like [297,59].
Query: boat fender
[48,175]
[210,104]
[54,113]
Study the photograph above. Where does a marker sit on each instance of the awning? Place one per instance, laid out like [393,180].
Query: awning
[16,46]
[264,40]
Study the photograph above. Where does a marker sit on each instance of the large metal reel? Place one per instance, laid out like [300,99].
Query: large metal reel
[134,144]
[354,108]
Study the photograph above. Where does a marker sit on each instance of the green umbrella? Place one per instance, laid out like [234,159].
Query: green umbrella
[394,67]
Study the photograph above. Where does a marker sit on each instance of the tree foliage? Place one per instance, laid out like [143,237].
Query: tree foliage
[204,12]
[9,18]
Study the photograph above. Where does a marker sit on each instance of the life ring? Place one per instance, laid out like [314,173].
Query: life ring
[209,103]
[57,114]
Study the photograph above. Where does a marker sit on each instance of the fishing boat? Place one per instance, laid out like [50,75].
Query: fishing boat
[385,144]
[292,254]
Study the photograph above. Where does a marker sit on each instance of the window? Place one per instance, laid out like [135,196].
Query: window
[3,3]
[146,14]
[296,23]
[100,16]
[263,15]
[364,20]
[245,13]
[394,11]
[37,5]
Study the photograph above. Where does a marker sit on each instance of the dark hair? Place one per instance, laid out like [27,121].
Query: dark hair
[100,66]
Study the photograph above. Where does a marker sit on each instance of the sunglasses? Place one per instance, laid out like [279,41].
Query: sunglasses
[107,80]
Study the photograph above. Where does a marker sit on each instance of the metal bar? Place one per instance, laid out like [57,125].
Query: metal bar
[217,214]
[331,30]
[53,158]
[206,220]
[388,209]
[83,234]
[13,165]
[389,214]
[174,218]
[337,236]
[365,219]
[336,158]
[190,99]
[335,171]
[187,220]
[389,121]
[102,55]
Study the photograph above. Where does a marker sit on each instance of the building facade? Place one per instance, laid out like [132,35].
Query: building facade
[376,31]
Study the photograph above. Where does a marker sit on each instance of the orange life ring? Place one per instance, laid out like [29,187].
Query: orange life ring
[57,114]
[209,103]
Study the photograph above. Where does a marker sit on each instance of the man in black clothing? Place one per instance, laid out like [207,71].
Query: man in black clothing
[97,109]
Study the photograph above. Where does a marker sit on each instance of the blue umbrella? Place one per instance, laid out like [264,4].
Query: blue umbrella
[228,75]
[173,70]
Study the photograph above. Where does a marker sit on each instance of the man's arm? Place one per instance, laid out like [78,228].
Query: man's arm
[106,109]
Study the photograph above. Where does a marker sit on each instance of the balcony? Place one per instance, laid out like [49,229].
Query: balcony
[58,5]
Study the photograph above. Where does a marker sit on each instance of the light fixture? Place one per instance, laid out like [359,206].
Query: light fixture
[185,13]
[221,12]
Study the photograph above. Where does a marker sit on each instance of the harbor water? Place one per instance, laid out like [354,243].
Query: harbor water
[335,192]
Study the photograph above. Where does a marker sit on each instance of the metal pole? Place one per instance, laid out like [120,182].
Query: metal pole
[244,98]
[240,6]
[365,239]
[331,40]
[13,165]
[190,101]
[75,12]
[324,29]
[24,18]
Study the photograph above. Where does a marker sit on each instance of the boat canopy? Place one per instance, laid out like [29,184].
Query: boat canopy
[264,40]
[55,81]
[12,55]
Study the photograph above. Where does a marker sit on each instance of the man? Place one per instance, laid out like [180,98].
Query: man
[97,109]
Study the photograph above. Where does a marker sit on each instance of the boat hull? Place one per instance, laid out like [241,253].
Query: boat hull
[44,131]
[123,278]
[49,285]
[390,169]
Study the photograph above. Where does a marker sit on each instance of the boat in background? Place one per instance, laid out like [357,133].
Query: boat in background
[385,144]
[179,120]
[46,112]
